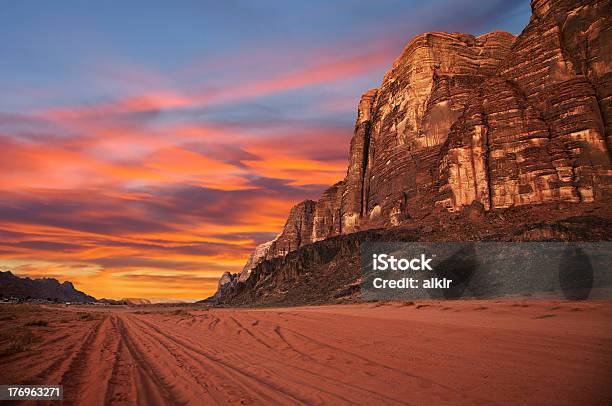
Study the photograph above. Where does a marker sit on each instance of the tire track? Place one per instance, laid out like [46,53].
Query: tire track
[75,378]
[121,382]
[164,357]
[255,387]
[151,390]
[351,357]
[293,380]
[247,331]
[369,362]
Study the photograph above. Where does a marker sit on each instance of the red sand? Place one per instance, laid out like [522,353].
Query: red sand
[465,352]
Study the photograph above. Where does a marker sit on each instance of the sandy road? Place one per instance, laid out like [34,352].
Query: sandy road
[441,353]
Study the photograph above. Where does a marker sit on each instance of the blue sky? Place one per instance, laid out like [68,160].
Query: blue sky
[85,52]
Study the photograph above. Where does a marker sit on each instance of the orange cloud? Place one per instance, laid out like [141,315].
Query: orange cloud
[98,239]
[127,206]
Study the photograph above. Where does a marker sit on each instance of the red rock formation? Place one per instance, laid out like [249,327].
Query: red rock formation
[327,218]
[297,231]
[420,99]
[353,201]
[492,121]
[536,131]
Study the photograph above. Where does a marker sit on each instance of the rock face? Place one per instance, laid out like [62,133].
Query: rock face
[227,282]
[475,125]
[297,231]
[46,288]
[256,257]
[328,271]
[538,130]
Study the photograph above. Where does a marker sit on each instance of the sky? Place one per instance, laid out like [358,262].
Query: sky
[149,146]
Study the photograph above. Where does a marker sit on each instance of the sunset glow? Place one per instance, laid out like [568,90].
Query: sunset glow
[146,165]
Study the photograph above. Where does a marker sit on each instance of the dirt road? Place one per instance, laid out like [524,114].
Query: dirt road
[427,353]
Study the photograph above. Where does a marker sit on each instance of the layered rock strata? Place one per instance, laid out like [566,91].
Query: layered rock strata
[490,122]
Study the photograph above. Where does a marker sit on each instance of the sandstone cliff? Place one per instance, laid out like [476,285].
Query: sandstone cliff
[473,126]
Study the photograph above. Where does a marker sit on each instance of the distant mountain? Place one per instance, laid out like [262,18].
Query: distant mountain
[136,301]
[44,288]
[126,301]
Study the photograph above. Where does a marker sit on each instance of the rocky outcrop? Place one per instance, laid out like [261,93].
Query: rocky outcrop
[328,271]
[474,125]
[260,253]
[327,219]
[227,283]
[297,231]
[44,288]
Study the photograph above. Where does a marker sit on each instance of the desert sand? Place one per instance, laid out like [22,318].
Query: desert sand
[461,352]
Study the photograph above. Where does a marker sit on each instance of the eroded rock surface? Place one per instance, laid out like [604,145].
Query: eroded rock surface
[490,123]
[260,253]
